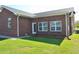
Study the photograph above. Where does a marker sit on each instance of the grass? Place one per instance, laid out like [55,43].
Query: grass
[40,45]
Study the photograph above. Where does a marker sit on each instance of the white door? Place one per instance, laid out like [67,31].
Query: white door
[33,28]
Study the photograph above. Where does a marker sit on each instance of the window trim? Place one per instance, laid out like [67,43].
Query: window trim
[42,26]
[55,26]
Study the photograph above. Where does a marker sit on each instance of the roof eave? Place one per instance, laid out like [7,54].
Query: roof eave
[24,15]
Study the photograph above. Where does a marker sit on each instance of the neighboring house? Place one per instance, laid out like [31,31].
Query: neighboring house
[17,23]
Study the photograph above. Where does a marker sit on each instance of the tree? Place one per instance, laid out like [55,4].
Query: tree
[77,24]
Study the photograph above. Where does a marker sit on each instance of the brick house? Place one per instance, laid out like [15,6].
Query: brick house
[17,23]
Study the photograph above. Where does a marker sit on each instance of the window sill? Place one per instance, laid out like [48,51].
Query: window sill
[55,31]
[42,31]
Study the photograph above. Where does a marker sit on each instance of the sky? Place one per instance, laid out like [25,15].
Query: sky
[35,6]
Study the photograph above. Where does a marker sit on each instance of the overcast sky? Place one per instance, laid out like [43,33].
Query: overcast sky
[34,6]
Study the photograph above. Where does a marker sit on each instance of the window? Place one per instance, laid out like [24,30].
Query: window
[42,26]
[55,26]
[9,23]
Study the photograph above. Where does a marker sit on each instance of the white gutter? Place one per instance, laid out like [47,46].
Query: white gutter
[17,25]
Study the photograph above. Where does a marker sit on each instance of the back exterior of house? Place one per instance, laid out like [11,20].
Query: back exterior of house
[17,23]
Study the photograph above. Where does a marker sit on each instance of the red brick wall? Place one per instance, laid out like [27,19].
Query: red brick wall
[24,26]
[4,15]
[48,19]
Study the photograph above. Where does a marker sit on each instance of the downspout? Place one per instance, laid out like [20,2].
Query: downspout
[17,25]
[66,21]
[66,24]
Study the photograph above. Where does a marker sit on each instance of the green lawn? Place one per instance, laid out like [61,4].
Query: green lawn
[40,45]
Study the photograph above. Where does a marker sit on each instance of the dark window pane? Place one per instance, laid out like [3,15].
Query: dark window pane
[53,24]
[45,24]
[52,28]
[45,28]
[58,23]
[40,28]
[58,28]
[34,27]
[40,24]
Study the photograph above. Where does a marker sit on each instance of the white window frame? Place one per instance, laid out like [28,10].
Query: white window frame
[55,26]
[42,26]
[9,23]
[33,32]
